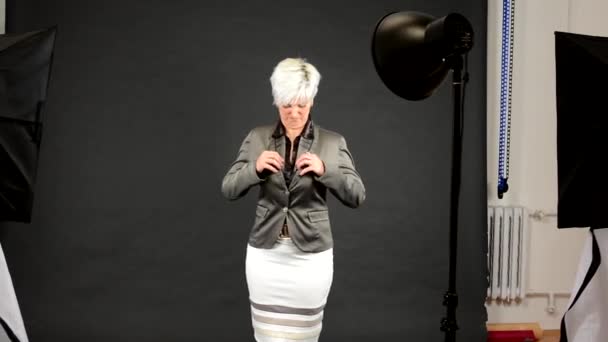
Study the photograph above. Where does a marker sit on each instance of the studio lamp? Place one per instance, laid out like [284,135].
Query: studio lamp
[413,52]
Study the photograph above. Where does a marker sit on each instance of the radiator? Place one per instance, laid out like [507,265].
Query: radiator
[507,253]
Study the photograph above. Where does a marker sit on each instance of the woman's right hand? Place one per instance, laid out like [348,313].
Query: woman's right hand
[269,160]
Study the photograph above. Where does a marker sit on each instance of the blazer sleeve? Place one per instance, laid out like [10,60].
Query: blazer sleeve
[242,174]
[342,179]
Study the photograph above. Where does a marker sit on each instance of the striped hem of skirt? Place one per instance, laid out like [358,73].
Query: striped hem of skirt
[272,322]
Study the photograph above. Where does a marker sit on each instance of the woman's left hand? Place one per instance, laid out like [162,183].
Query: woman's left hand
[310,162]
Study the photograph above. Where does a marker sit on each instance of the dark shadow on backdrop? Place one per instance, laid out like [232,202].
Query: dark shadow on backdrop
[25,69]
[131,239]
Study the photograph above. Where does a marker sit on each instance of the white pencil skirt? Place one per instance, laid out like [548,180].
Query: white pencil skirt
[288,290]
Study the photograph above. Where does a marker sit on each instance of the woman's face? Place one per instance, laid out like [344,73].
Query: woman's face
[294,115]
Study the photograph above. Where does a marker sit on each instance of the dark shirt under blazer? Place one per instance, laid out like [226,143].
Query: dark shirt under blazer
[302,204]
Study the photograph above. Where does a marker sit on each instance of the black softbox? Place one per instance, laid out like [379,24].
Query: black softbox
[25,67]
[582,123]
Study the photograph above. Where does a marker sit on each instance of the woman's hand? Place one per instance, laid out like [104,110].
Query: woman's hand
[310,162]
[269,160]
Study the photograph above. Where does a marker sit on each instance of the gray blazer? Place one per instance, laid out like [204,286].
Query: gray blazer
[304,203]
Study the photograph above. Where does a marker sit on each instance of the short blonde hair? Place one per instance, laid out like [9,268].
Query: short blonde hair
[294,79]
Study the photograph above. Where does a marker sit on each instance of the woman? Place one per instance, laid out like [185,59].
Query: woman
[289,263]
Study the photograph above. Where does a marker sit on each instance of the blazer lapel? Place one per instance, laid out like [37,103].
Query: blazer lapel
[307,144]
[279,146]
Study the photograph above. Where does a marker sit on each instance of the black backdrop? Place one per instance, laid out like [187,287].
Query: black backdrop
[149,100]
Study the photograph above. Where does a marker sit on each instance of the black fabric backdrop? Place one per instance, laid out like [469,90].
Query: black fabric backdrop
[130,238]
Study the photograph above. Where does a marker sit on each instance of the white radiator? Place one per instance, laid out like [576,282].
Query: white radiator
[507,253]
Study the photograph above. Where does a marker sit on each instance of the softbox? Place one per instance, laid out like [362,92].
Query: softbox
[25,67]
[582,123]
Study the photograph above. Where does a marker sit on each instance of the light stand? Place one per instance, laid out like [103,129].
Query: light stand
[413,52]
[449,324]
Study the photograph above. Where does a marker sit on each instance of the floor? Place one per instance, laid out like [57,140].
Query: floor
[550,336]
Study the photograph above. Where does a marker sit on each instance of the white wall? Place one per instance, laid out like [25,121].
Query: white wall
[554,253]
